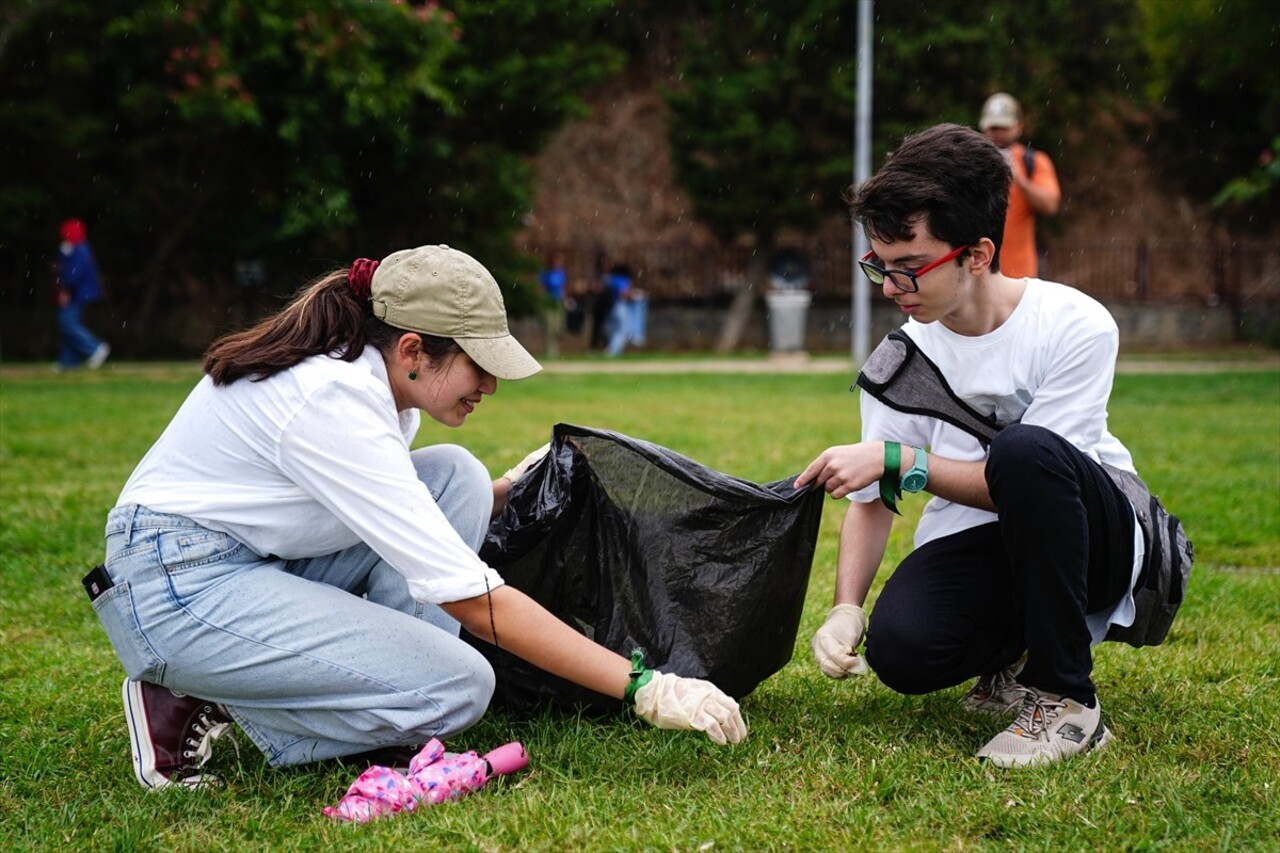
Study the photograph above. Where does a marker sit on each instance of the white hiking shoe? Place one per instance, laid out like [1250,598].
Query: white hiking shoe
[1048,728]
[997,694]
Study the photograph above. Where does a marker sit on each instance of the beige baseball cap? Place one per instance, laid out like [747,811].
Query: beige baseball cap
[440,291]
[1000,110]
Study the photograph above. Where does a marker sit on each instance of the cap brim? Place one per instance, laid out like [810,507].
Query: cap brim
[1003,124]
[504,357]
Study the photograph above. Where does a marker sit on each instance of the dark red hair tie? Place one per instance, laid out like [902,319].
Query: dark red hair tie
[360,277]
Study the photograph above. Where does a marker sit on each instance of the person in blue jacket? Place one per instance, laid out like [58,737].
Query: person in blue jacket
[77,286]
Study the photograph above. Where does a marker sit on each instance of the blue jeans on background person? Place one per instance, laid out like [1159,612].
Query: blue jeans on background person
[314,658]
[637,318]
[75,342]
[618,328]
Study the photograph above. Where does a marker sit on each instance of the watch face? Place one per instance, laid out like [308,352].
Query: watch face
[914,481]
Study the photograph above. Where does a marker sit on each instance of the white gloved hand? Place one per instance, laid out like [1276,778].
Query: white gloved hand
[836,643]
[526,463]
[672,702]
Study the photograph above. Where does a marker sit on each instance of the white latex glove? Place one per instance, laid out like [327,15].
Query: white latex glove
[526,463]
[672,702]
[836,643]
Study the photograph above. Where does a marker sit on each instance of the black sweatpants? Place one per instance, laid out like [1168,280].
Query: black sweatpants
[969,604]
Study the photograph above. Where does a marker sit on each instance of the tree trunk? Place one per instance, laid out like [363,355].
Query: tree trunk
[154,277]
[744,303]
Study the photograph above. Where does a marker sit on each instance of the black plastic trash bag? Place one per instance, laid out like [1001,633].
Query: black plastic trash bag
[637,546]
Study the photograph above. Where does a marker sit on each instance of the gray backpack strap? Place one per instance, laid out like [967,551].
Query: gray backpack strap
[900,375]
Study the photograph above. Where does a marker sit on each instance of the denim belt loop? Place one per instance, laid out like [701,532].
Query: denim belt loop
[128,524]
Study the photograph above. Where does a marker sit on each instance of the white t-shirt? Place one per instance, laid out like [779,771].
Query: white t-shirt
[308,462]
[1051,364]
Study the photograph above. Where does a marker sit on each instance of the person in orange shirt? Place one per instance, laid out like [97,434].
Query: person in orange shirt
[1034,191]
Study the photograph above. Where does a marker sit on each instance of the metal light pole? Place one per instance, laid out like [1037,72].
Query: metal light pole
[861,331]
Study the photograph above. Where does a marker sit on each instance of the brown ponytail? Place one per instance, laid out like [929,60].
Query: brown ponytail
[327,316]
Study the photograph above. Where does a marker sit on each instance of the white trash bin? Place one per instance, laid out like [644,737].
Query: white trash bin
[788,311]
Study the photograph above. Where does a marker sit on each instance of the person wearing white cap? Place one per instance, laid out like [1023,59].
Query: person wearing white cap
[1034,191]
[282,554]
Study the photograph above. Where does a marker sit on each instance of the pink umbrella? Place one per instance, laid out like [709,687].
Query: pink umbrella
[434,776]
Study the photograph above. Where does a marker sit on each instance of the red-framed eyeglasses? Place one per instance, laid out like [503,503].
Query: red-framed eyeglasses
[903,279]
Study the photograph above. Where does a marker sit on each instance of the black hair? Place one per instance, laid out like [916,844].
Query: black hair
[950,177]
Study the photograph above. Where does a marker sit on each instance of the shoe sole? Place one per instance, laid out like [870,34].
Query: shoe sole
[140,748]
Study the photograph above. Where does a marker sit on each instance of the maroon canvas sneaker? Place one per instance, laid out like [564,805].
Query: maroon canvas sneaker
[171,734]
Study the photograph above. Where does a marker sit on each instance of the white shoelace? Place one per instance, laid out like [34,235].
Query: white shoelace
[208,732]
[990,685]
[1038,711]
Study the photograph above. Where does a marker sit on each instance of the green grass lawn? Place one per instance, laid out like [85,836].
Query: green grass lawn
[828,765]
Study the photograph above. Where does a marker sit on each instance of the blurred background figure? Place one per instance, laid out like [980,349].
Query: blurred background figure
[1034,191]
[577,299]
[617,283]
[77,286]
[553,280]
[601,303]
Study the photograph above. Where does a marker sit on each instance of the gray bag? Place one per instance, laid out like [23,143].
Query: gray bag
[902,377]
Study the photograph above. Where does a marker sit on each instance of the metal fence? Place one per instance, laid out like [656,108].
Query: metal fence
[1210,273]
[1238,273]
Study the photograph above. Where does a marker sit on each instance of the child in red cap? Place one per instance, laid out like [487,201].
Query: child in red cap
[78,286]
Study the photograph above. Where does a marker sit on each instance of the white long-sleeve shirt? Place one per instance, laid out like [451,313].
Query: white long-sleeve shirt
[308,462]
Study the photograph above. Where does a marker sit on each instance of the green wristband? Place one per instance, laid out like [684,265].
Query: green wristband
[640,676]
[890,485]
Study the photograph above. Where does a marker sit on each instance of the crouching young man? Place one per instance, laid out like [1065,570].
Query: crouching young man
[1027,551]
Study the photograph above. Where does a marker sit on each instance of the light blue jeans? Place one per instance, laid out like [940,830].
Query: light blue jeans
[314,658]
[619,326]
